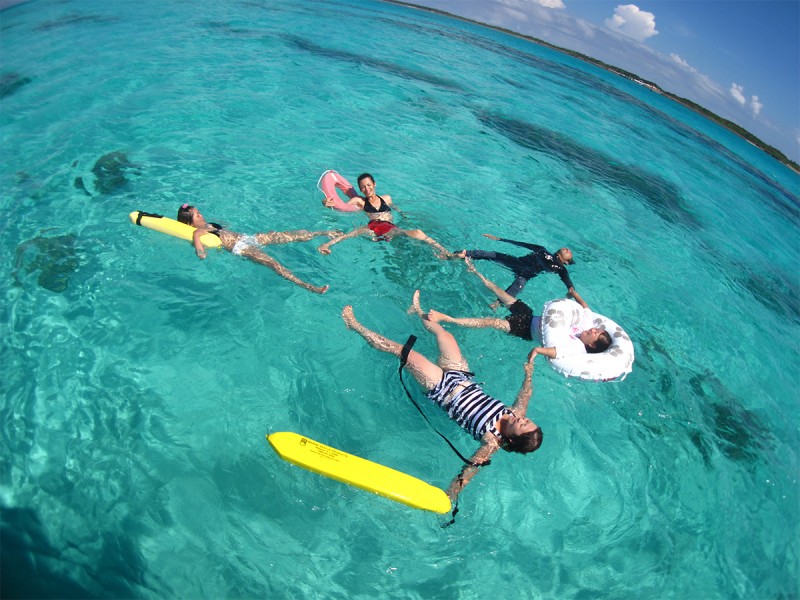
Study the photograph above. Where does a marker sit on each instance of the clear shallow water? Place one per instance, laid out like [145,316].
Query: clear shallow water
[140,382]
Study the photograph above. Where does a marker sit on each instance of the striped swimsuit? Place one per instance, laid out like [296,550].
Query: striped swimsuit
[470,406]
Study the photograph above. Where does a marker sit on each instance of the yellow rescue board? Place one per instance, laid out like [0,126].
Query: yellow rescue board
[358,472]
[171,227]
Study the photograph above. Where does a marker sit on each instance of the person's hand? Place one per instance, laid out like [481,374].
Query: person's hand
[324,249]
[490,236]
[328,202]
[529,363]
[201,254]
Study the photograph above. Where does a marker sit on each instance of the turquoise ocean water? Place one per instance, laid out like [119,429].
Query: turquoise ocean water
[139,382]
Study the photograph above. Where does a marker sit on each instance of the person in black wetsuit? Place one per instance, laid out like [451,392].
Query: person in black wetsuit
[380,226]
[529,266]
[248,245]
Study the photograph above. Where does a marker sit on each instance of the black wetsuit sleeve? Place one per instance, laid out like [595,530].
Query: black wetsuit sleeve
[533,247]
[565,278]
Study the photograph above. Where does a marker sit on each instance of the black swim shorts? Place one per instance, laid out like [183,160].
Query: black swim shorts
[520,320]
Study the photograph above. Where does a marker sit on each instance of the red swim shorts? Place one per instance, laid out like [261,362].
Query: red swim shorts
[380,228]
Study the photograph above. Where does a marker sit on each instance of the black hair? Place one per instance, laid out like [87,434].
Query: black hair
[364,176]
[185,214]
[523,443]
[601,344]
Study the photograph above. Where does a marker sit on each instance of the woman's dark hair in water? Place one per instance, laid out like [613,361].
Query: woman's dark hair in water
[524,443]
[601,344]
[364,176]
[185,214]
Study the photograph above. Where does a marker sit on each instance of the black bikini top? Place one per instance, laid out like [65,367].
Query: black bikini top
[368,208]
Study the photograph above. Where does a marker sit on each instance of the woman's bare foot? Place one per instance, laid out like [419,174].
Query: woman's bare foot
[319,290]
[349,317]
[415,308]
[435,316]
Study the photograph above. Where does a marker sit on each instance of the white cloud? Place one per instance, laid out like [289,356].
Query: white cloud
[514,14]
[755,105]
[737,93]
[682,63]
[524,4]
[629,20]
[585,28]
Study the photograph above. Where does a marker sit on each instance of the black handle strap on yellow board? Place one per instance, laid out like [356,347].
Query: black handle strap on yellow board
[146,214]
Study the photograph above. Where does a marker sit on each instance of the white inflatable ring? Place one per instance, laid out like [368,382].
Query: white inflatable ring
[558,318]
[330,182]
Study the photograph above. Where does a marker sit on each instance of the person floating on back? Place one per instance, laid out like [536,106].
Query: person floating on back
[248,245]
[450,385]
[380,225]
[529,266]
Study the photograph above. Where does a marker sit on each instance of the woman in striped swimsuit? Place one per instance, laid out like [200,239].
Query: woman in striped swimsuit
[451,386]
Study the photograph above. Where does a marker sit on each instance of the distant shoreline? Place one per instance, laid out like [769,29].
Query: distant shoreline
[729,125]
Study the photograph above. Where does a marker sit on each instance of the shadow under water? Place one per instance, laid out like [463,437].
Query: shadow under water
[109,173]
[738,433]
[374,63]
[74,19]
[662,196]
[10,83]
[55,259]
[30,562]
[26,559]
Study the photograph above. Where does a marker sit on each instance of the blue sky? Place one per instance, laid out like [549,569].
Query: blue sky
[738,58]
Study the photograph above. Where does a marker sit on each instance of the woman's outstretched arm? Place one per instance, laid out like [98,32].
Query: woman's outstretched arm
[526,391]
[481,457]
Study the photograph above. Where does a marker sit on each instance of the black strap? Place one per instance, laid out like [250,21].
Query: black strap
[412,339]
[455,505]
[146,214]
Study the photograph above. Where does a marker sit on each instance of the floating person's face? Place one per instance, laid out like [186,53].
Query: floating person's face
[590,336]
[197,219]
[514,425]
[367,186]
[565,254]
